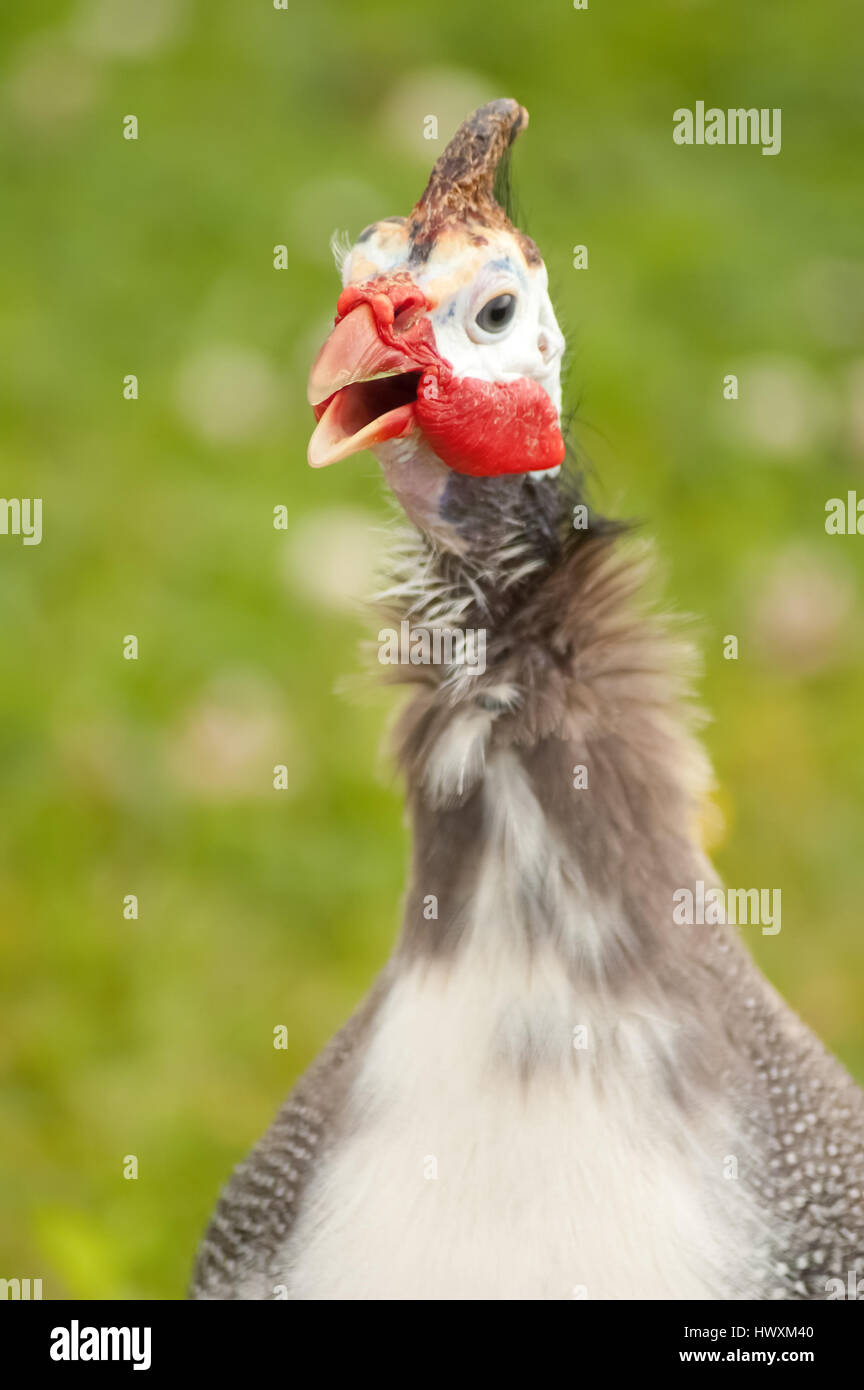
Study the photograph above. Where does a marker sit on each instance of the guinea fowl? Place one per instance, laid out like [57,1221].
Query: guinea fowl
[554,1089]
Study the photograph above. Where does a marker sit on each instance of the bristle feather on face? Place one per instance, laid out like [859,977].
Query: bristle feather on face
[340,246]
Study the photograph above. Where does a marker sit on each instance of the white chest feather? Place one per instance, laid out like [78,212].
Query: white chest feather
[466,1179]
[513,1137]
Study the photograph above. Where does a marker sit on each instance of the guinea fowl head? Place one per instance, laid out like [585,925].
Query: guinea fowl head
[445,356]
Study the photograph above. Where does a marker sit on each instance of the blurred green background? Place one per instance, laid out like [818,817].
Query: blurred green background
[258,908]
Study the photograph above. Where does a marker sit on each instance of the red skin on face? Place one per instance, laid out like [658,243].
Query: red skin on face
[480,428]
[487,428]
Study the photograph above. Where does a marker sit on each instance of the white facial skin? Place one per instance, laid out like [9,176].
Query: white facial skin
[459,278]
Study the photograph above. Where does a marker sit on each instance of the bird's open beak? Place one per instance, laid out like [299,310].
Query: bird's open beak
[361,387]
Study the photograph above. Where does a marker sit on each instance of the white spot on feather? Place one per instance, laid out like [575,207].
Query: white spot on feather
[458,757]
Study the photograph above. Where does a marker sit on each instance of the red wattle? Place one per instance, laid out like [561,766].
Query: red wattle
[484,428]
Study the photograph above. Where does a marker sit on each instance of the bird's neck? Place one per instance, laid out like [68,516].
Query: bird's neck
[559,787]
[478,547]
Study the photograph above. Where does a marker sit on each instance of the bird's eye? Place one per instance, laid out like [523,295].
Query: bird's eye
[495,316]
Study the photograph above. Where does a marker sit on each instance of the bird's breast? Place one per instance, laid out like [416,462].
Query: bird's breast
[508,1137]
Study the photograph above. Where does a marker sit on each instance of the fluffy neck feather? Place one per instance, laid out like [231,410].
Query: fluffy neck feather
[578,674]
[483,546]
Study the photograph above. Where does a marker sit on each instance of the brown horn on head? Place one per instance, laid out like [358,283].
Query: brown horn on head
[460,188]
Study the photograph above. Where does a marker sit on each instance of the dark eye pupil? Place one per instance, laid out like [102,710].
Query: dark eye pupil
[497,313]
